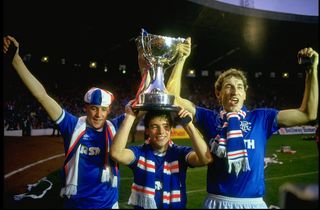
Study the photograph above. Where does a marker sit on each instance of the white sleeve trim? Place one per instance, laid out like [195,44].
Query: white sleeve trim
[61,117]
[186,158]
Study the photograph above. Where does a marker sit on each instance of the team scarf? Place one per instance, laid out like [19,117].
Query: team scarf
[143,85]
[229,143]
[71,163]
[143,187]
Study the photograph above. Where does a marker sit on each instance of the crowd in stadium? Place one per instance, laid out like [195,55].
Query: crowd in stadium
[22,110]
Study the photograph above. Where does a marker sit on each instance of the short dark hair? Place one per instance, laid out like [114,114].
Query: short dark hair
[157,113]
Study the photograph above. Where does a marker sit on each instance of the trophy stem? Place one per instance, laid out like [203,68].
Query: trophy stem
[157,81]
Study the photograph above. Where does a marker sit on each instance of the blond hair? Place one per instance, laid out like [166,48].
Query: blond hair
[230,73]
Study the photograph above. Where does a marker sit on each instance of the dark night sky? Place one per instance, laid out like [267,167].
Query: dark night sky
[104,30]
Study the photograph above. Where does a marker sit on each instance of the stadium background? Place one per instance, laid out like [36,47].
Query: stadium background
[74,33]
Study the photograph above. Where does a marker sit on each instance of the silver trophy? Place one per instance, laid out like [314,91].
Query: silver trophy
[159,51]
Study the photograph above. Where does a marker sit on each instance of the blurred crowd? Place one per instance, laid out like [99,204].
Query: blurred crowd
[21,110]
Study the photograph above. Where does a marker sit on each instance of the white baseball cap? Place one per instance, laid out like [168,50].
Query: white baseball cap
[99,97]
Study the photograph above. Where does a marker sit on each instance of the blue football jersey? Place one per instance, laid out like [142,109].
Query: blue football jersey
[257,127]
[91,192]
[159,163]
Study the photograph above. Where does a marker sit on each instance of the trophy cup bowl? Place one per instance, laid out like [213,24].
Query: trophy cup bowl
[158,51]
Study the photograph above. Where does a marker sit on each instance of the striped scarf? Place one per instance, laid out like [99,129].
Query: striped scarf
[230,144]
[143,187]
[71,163]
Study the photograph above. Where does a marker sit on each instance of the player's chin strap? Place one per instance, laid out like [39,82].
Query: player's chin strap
[30,187]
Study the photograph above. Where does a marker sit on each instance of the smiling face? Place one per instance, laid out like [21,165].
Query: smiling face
[96,115]
[159,132]
[232,94]
[230,88]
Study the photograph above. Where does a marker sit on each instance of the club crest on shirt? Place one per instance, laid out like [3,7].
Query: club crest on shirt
[245,126]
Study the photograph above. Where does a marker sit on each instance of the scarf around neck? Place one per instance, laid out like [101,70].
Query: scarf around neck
[143,186]
[229,142]
[71,163]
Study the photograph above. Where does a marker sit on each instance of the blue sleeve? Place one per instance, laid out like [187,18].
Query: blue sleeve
[267,119]
[201,114]
[206,121]
[117,121]
[66,122]
[272,122]
[184,152]
[136,152]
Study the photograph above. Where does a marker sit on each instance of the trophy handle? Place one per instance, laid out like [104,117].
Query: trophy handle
[144,34]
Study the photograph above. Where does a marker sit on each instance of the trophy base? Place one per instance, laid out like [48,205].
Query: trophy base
[156,101]
[156,107]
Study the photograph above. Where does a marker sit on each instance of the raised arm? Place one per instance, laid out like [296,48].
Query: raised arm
[53,109]
[174,81]
[201,155]
[309,106]
[118,149]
